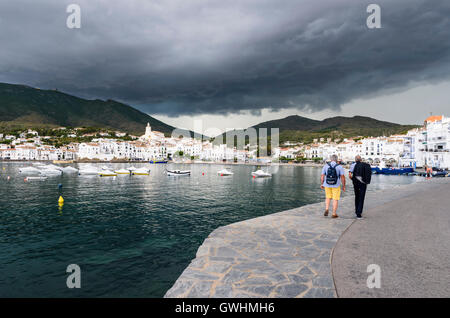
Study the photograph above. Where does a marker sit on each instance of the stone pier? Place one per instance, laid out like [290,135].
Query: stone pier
[286,254]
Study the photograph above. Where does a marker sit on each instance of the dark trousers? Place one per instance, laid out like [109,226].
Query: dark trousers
[360,193]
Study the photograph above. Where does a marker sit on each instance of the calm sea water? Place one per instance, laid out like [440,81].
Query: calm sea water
[132,236]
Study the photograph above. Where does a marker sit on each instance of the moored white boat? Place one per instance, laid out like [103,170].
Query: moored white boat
[141,172]
[224,172]
[122,171]
[69,170]
[107,173]
[261,174]
[88,170]
[178,172]
[29,170]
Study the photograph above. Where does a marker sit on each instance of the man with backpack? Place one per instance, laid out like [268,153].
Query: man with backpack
[360,173]
[333,175]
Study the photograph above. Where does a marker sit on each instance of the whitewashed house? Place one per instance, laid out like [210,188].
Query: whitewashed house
[437,152]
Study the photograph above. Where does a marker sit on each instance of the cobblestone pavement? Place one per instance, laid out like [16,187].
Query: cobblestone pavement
[286,254]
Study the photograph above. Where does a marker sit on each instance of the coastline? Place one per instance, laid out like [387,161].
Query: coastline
[285,254]
[172,162]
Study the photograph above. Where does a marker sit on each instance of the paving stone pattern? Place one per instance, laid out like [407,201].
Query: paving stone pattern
[286,254]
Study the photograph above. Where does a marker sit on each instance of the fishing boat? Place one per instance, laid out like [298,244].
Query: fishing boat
[141,172]
[122,171]
[158,161]
[261,174]
[224,172]
[107,173]
[178,172]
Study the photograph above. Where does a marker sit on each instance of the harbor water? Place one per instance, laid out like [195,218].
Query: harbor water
[132,236]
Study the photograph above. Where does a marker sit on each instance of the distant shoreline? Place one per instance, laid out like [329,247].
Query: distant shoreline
[190,162]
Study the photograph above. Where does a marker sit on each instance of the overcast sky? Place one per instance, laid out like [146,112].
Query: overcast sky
[235,63]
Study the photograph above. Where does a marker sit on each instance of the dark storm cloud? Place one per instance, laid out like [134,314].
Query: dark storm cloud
[194,57]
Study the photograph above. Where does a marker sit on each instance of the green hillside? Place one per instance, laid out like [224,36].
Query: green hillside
[31,107]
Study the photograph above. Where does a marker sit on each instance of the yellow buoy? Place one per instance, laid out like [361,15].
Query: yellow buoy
[60,200]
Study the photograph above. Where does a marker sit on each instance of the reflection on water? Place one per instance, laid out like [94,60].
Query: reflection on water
[131,235]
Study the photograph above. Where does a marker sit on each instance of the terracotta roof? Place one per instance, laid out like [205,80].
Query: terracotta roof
[433,119]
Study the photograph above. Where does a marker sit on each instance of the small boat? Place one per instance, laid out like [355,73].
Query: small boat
[36,178]
[141,172]
[392,171]
[29,170]
[122,171]
[178,172]
[107,173]
[261,174]
[69,170]
[158,161]
[224,172]
[440,174]
[88,171]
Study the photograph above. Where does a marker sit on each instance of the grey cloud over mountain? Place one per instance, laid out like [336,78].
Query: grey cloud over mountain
[197,57]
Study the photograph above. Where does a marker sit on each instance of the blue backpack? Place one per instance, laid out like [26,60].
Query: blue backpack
[332,175]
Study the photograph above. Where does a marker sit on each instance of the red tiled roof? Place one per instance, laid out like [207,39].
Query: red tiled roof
[433,119]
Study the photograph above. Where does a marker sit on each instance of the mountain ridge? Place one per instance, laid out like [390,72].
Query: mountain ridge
[22,105]
[302,129]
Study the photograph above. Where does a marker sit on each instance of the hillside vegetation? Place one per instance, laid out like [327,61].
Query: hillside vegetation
[24,106]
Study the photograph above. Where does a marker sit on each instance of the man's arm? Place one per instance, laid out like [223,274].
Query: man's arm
[343,182]
[322,179]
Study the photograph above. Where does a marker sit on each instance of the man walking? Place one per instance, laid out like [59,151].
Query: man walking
[333,175]
[360,173]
